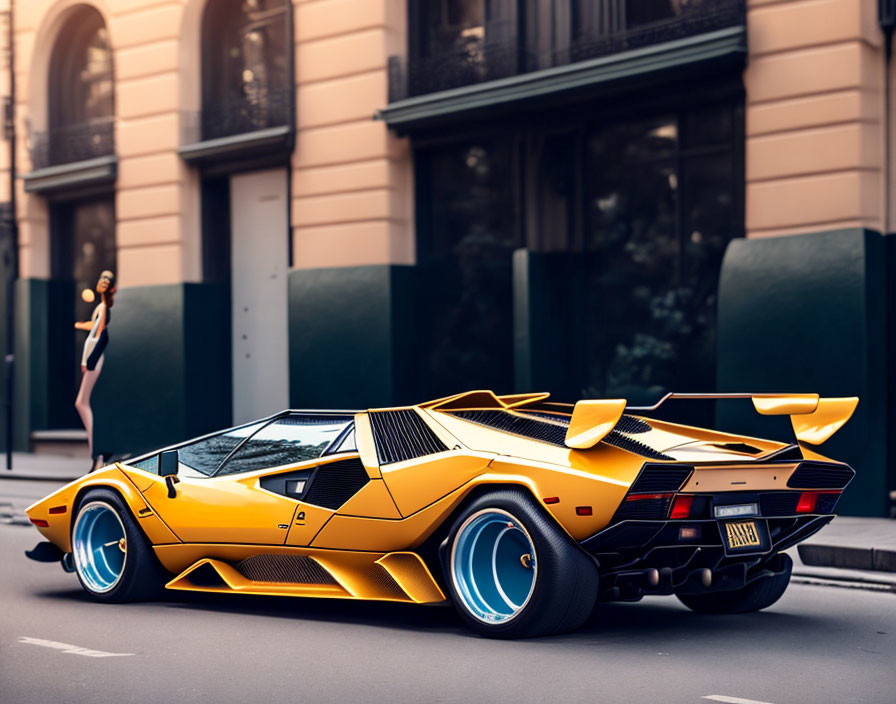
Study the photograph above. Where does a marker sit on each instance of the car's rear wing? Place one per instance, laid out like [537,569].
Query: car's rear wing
[814,419]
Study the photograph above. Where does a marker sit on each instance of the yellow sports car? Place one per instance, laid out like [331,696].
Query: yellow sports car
[521,512]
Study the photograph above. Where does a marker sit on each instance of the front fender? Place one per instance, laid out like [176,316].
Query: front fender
[57,509]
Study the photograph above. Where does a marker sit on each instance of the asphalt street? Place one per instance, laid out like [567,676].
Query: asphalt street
[818,644]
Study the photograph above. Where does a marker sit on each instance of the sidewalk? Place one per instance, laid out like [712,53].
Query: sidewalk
[849,548]
[48,468]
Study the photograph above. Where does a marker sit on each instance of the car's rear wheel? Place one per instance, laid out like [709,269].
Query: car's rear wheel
[112,557]
[513,573]
[755,596]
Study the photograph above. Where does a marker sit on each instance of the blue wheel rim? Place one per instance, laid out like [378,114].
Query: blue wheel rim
[493,566]
[99,546]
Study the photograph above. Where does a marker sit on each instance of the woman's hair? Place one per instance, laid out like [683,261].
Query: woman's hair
[109,294]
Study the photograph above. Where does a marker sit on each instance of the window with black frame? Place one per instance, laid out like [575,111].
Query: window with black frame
[461,42]
[661,204]
[81,94]
[245,67]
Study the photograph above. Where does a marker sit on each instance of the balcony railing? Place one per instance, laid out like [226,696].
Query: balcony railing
[238,114]
[72,143]
[479,61]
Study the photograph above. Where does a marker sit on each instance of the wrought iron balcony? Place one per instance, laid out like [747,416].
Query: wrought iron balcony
[476,60]
[239,114]
[72,143]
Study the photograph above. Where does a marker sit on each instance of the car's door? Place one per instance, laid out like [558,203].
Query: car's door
[225,499]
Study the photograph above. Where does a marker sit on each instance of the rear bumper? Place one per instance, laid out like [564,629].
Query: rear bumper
[649,557]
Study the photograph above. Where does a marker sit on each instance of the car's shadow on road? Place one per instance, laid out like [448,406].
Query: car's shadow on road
[657,620]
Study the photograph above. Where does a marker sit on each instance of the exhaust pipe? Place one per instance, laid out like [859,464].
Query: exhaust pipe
[68,562]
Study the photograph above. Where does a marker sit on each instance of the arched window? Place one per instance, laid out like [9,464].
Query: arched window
[245,66]
[81,90]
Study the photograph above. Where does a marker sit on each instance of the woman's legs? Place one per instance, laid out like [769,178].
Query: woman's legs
[82,402]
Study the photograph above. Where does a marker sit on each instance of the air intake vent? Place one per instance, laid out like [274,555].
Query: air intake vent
[631,426]
[660,480]
[624,442]
[296,569]
[779,503]
[644,509]
[812,475]
[402,435]
[518,425]
[336,483]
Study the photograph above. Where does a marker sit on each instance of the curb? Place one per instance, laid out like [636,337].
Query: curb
[850,558]
[37,477]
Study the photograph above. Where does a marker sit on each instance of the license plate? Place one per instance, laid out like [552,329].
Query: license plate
[742,535]
[736,510]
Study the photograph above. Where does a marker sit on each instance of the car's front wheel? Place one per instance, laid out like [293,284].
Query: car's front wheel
[513,573]
[757,595]
[113,559]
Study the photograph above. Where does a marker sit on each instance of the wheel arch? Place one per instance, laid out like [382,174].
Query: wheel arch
[120,487]
[432,549]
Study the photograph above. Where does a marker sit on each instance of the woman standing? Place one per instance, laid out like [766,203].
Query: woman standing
[92,357]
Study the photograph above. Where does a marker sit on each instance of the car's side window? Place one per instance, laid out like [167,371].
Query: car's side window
[204,456]
[295,438]
[150,464]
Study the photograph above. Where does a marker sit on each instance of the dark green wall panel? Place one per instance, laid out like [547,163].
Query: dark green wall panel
[807,313]
[166,376]
[351,343]
[548,350]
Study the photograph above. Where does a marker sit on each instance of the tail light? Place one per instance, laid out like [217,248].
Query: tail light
[809,500]
[681,508]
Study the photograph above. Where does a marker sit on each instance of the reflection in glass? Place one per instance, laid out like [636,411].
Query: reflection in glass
[296,438]
[659,218]
[465,262]
[204,456]
[245,67]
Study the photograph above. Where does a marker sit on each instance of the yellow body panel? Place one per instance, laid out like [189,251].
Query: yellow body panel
[223,510]
[739,478]
[366,448]
[827,419]
[786,404]
[415,483]
[59,529]
[592,420]
[372,501]
[359,575]
[306,523]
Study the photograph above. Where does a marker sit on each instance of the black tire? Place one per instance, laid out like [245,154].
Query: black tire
[755,596]
[565,577]
[142,577]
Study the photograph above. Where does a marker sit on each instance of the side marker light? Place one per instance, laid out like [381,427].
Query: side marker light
[39,522]
[583,510]
[57,509]
[552,500]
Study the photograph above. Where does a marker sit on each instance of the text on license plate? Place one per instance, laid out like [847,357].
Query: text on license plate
[742,535]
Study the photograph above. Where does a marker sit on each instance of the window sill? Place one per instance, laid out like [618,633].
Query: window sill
[74,179]
[565,83]
[246,150]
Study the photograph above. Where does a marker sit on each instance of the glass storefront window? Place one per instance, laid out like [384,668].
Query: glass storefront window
[471,227]
[643,207]
[661,210]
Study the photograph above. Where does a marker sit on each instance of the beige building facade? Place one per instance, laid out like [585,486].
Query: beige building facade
[363,202]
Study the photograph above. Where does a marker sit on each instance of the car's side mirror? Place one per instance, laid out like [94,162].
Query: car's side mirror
[168,463]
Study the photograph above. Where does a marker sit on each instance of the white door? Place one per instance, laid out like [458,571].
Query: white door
[259,261]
